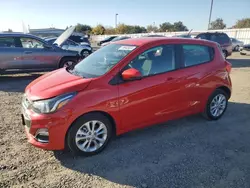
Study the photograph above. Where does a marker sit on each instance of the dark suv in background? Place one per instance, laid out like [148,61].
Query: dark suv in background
[221,38]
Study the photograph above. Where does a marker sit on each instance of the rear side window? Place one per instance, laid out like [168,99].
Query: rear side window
[220,38]
[7,42]
[202,36]
[196,54]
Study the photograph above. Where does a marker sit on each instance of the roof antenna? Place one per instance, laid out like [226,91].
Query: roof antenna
[190,31]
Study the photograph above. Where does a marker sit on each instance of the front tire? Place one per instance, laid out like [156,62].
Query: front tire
[67,62]
[85,53]
[216,105]
[89,135]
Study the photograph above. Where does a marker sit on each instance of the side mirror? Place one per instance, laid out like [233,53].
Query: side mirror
[131,74]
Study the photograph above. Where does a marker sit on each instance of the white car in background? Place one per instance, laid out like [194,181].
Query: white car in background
[83,49]
[115,39]
[236,44]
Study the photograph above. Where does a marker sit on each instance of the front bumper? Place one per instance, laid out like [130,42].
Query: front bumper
[56,124]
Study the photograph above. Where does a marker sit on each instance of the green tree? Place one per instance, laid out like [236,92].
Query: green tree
[110,31]
[122,29]
[243,23]
[179,26]
[152,28]
[166,27]
[136,29]
[217,24]
[98,30]
[86,29]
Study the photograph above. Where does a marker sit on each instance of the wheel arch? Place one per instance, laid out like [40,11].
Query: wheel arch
[226,90]
[66,57]
[112,120]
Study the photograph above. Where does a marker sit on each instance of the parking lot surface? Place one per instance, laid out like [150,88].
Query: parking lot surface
[190,152]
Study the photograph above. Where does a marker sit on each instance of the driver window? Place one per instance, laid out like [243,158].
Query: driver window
[71,43]
[154,61]
[31,43]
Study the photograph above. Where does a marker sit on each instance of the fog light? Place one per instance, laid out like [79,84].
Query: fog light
[42,135]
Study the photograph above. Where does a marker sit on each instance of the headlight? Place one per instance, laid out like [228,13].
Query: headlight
[51,105]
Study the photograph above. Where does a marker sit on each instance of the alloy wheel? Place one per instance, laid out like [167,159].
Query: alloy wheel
[218,105]
[68,63]
[91,136]
[85,53]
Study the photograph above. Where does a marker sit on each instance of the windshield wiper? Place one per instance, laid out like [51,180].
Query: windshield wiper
[75,72]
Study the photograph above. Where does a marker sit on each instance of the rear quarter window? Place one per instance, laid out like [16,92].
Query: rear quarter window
[197,54]
[7,42]
[221,38]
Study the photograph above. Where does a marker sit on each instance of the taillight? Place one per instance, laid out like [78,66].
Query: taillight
[228,66]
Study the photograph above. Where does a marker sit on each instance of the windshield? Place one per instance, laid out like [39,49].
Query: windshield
[100,62]
[119,38]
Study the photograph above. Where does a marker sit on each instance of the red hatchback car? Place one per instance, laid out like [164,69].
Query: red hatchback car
[126,85]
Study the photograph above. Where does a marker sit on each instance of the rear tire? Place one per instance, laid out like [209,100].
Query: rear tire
[216,105]
[83,137]
[66,62]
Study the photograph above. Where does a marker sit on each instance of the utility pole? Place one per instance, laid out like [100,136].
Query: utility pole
[116,20]
[210,14]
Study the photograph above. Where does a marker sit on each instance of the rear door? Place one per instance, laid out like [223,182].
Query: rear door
[196,67]
[10,55]
[36,56]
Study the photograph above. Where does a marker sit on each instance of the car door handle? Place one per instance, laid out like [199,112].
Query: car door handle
[28,52]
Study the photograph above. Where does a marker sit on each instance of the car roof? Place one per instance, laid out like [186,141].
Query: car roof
[148,40]
[212,33]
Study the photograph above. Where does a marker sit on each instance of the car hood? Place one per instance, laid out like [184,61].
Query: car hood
[64,36]
[55,83]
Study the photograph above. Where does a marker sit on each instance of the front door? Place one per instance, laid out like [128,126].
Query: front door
[36,56]
[157,96]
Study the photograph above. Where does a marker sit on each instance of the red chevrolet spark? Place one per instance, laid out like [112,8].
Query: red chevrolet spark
[124,86]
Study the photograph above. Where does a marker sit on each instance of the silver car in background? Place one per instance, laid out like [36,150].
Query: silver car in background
[83,49]
[20,51]
[236,44]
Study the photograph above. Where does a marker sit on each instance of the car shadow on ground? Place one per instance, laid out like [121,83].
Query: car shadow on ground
[180,153]
[238,63]
[17,82]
